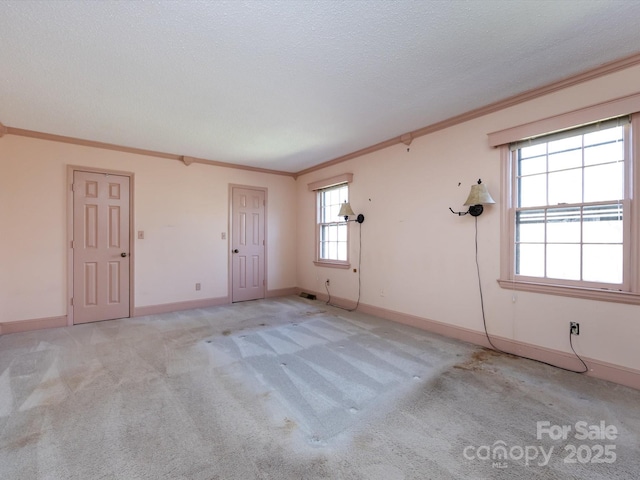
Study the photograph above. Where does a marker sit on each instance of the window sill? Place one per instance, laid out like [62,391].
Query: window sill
[330,264]
[575,292]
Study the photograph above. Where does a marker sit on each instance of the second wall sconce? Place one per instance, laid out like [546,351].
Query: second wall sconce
[478,196]
[346,211]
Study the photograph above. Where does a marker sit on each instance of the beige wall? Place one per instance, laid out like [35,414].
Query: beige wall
[418,258]
[182,211]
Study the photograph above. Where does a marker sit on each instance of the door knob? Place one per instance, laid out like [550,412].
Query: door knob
[235,251]
[123,254]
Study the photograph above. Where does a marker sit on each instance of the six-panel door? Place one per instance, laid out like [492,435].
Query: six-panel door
[248,244]
[101,258]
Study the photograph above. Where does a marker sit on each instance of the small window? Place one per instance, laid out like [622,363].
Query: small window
[571,206]
[332,230]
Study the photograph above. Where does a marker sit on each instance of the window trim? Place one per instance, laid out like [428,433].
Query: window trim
[613,108]
[315,187]
[330,182]
[507,280]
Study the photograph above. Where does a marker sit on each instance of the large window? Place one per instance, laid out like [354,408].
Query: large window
[570,211]
[571,201]
[332,229]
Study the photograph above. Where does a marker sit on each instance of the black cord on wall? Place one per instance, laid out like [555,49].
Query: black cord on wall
[326,286]
[484,322]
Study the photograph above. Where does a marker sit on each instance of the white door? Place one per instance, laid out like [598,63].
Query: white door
[247,247]
[100,247]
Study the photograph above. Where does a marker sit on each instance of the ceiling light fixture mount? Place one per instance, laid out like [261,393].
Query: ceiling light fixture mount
[478,196]
[407,138]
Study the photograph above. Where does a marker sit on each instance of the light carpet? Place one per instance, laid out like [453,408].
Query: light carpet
[290,388]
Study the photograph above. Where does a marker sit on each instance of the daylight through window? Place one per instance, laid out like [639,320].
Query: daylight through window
[571,204]
[332,229]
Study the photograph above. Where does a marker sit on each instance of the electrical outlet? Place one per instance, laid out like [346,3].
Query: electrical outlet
[198,286]
[327,282]
[575,328]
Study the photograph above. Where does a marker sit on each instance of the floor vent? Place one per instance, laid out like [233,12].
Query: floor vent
[310,296]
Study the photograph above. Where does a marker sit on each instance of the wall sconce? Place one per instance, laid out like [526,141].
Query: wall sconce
[478,196]
[346,211]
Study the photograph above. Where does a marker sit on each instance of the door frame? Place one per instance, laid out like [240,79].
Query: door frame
[230,238]
[71,169]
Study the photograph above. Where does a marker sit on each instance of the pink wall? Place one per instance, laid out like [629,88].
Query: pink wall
[182,211]
[418,258]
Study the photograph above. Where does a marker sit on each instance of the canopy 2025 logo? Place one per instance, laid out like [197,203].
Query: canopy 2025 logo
[499,453]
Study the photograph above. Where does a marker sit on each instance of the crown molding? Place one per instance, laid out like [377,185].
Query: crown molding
[138,151]
[406,138]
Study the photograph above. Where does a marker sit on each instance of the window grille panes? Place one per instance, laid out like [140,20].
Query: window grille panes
[332,243]
[569,200]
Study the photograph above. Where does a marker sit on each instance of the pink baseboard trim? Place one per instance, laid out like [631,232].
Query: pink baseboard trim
[177,306]
[597,368]
[281,292]
[32,324]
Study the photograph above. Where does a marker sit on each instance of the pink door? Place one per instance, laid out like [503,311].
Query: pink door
[100,247]
[247,247]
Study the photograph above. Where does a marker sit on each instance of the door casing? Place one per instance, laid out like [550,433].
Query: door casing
[70,174]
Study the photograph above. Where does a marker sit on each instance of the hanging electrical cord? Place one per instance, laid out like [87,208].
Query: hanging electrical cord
[326,285]
[486,332]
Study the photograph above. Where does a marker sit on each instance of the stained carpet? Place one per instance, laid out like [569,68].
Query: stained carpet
[290,388]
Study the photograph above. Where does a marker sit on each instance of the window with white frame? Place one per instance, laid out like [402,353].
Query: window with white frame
[570,212]
[332,229]
[571,205]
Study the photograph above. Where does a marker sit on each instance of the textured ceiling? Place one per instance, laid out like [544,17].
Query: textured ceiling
[286,84]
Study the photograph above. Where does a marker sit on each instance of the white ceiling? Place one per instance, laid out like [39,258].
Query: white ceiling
[286,84]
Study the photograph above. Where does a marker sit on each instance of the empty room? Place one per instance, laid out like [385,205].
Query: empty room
[296,239]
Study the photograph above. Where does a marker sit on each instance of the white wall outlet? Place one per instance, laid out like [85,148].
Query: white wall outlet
[140,234]
[198,286]
[223,235]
